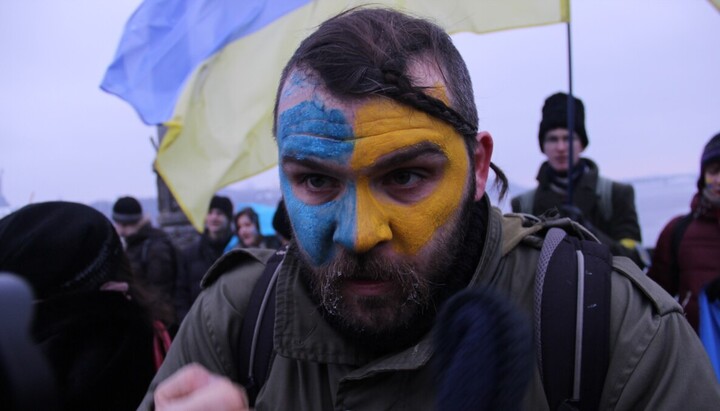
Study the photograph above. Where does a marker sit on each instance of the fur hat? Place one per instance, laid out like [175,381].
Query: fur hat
[60,248]
[223,204]
[710,153]
[554,115]
[127,210]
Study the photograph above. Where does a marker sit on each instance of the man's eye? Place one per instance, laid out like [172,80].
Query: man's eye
[319,182]
[403,178]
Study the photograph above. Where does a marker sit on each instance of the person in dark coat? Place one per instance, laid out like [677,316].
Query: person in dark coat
[151,253]
[695,263]
[605,207]
[197,258]
[89,321]
[247,229]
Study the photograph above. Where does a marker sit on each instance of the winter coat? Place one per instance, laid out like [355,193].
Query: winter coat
[100,348]
[624,220]
[653,349]
[698,258]
[154,262]
[266,241]
[195,260]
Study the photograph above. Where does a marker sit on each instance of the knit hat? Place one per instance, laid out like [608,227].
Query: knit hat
[127,210]
[554,115]
[223,204]
[711,153]
[60,248]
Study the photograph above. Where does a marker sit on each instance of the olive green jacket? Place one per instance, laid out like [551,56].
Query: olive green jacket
[656,360]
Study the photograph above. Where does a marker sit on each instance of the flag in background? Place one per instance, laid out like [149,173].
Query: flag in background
[220,128]
[165,40]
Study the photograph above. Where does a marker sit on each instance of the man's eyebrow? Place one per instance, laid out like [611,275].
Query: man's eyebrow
[409,153]
[318,165]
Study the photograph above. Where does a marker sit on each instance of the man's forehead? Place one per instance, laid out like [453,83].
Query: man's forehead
[307,108]
[304,84]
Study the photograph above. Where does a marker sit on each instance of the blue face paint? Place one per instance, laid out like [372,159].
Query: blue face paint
[311,118]
[319,227]
[308,130]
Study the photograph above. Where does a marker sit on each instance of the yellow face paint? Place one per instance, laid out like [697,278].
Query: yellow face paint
[384,127]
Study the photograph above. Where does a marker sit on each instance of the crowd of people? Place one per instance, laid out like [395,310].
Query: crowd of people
[384,221]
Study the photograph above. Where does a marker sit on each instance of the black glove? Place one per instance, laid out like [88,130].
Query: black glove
[712,290]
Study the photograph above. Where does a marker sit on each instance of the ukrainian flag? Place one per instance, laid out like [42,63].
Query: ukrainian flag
[208,70]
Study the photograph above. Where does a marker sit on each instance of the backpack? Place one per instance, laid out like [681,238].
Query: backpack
[575,325]
[603,190]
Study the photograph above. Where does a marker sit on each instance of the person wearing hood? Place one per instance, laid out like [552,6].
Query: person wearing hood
[605,207]
[197,258]
[247,228]
[91,320]
[686,255]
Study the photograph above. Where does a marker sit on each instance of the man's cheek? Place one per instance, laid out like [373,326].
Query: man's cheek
[314,225]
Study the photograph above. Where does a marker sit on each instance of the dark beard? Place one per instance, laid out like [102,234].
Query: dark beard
[396,321]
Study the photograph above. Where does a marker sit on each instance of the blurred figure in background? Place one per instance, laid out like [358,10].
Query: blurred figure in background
[196,259]
[605,207]
[247,228]
[151,253]
[687,255]
[281,223]
[90,321]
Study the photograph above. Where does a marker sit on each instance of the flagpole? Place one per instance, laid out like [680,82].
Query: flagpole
[570,117]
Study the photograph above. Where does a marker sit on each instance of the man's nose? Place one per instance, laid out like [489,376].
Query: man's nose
[372,224]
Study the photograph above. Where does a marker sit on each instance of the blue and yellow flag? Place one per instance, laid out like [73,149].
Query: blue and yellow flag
[219,118]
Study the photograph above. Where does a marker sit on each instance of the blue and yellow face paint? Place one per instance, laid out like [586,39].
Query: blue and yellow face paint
[356,147]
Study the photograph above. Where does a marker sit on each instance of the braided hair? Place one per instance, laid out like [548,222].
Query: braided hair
[367,51]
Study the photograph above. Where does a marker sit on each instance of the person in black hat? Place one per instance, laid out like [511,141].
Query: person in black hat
[88,321]
[197,258]
[151,252]
[605,207]
[686,255]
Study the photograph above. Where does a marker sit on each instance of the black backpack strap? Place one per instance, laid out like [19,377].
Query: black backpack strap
[677,235]
[572,315]
[256,335]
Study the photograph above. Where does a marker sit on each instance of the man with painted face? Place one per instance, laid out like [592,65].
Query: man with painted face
[383,173]
[605,207]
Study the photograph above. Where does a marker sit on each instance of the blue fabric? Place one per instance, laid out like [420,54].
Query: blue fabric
[710,329]
[165,40]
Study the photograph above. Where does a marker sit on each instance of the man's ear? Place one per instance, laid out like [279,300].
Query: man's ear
[481,159]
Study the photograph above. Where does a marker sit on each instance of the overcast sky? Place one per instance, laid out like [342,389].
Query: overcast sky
[647,71]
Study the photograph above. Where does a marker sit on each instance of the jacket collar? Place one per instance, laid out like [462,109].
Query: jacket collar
[589,177]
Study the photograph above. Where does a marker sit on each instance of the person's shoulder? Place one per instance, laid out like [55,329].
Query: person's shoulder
[620,187]
[633,289]
[238,267]
[228,284]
